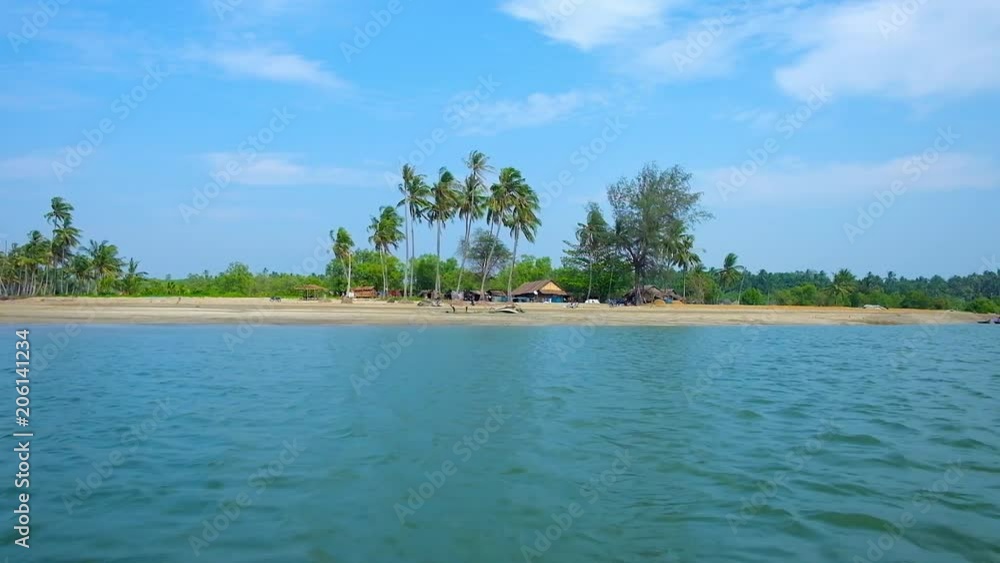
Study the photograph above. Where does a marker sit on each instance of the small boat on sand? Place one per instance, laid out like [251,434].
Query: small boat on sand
[993,321]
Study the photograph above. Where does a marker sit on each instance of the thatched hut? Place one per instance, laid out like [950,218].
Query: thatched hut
[365,292]
[311,291]
[541,291]
[651,293]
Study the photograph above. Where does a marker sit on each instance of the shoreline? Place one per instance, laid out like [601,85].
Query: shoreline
[261,311]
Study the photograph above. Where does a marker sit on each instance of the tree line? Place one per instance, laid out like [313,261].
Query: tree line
[61,265]
[646,239]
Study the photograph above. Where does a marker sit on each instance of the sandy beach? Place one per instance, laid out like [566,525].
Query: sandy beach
[213,310]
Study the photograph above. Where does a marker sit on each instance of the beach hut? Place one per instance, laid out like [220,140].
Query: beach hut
[541,291]
[365,292]
[651,293]
[311,291]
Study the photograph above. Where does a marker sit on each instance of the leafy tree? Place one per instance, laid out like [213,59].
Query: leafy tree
[646,209]
[753,296]
[487,253]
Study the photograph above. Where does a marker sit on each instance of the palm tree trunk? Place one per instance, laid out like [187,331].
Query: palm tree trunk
[465,253]
[437,265]
[590,284]
[349,265]
[513,263]
[385,284]
[406,247]
[486,266]
[684,285]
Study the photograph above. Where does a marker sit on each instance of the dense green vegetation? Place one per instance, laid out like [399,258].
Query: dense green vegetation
[647,240]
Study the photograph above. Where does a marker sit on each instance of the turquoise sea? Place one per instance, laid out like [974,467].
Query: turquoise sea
[173,444]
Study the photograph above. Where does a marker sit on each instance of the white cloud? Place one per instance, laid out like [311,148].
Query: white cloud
[790,181]
[535,110]
[888,48]
[268,64]
[287,170]
[586,24]
[903,49]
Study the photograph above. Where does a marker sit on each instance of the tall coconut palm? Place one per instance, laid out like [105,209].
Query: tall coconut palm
[414,203]
[472,201]
[592,236]
[522,220]
[385,237]
[343,249]
[105,263]
[62,211]
[442,208]
[685,258]
[498,208]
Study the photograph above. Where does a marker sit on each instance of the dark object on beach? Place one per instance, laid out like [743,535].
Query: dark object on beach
[993,321]
[275,298]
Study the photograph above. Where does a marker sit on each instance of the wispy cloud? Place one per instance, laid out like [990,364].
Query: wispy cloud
[791,181]
[267,63]
[533,111]
[885,48]
[878,48]
[280,169]
[757,118]
[586,24]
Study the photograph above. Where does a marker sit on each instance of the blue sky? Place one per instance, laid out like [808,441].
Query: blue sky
[829,108]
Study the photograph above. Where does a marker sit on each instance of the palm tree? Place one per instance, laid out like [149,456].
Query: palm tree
[133,277]
[844,283]
[82,269]
[385,237]
[522,221]
[592,236]
[414,203]
[443,205]
[730,271]
[343,249]
[61,212]
[684,257]
[105,263]
[65,237]
[498,208]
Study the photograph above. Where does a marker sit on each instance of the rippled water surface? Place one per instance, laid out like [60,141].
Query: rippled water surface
[554,444]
